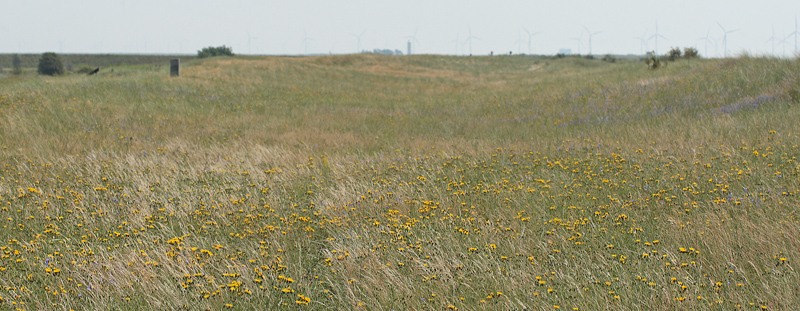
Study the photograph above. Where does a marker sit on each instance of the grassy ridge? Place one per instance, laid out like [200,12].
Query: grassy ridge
[423,182]
[94,60]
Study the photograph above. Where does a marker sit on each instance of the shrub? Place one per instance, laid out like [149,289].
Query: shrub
[215,51]
[609,58]
[652,61]
[16,64]
[84,69]
[690,53]
[674,54]
[50,64]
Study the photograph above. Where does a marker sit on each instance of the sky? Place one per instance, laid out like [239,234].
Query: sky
[292,27]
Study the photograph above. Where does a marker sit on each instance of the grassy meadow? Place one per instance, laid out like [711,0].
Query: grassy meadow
[368,182]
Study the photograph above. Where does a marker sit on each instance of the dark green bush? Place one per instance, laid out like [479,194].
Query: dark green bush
[674,54]
[16,64]
[50,64]
[215,51]
[690,53]
[84,69]
[609,58]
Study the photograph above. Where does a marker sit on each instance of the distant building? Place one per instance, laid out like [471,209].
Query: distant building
[565,51]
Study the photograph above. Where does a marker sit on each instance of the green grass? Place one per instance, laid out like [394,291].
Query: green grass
[424,182]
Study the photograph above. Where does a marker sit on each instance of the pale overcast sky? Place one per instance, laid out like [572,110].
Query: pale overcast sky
[437,26]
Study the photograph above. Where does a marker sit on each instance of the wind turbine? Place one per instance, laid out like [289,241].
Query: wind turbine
[656,36]
[457,42]
[783,42]
[642,42]
[306,40]
[249,38]
[716,51]
[530,35]
[519,42]
[725,38]
[580,41]
[590,38]
[706,39]
[794,33]
[469,39]
[358,50]
[773,39]
[413,38]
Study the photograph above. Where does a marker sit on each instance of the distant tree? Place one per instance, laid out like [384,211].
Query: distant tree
[16,64]
[387,52]
[674,54]
[609,58]
[690,53]
[215,51]
[50,64]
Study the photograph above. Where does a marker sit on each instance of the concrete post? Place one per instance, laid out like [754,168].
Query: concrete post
[175,67]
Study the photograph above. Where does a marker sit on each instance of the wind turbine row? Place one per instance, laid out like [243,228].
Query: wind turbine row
[644,40]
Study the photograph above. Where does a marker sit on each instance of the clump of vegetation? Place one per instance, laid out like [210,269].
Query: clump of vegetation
[387,52]
[652,61]
[609,58]
[16,64]
[674,54]
[50,64]
[215,51]
[84,69]
[690,53]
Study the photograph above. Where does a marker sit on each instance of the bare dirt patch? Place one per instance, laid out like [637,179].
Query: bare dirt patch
[649,81]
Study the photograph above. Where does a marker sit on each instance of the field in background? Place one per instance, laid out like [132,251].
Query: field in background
[76,61]
[423,182]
